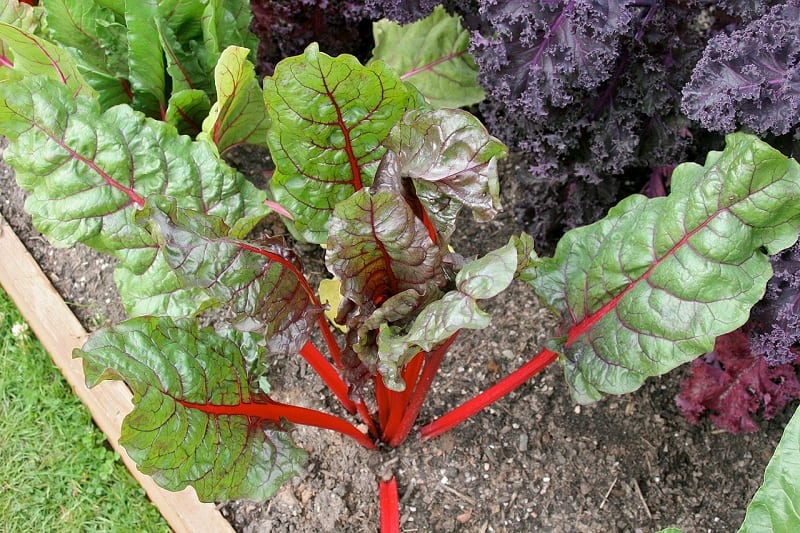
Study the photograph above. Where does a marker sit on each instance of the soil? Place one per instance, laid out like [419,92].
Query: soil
[535,461]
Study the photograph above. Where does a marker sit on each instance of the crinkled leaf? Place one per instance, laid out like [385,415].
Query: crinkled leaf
[187,109]
[433,55]
[97,42]
[751,77]
[451,160]
[87,172]
[775,505]
[20,15]
[264,289]
[654,283]
[378,248]
[158,291]
[329,116]
[197,419]
[239,116]
[436,323]
[24,55]
[145,58]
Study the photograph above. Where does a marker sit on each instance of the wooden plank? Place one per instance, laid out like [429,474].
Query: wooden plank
[60,332]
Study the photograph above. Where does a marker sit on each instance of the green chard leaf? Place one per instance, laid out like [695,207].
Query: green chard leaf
[653,284]
[329,116]
[433,55]
[21,15]
[88,172]
[146,58]
[97,41]
[187,109]
[187,68]
[198,418]
[23,55]
[239,115]
[775,505]
[262,285]
[226,23]
[452,162]
[479,279]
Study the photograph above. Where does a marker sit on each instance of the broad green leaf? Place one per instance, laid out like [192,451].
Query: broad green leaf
[239,116]
[433,55]
[20,15]
[198,419]
[187,109]
[776,505]
[377,248]
[98,43]
[88,172]
[458,309]
[452,162]
[158,291]
[23,55]
[329,116]
[226,23]
[262,286]
[145,58]
[653,284]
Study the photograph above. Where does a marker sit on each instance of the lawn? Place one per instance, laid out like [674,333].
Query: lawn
[57,471]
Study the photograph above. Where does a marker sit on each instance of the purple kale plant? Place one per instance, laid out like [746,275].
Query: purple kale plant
[775,320]
[750,77]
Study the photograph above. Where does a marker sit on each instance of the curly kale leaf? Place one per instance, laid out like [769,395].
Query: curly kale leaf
[750,77]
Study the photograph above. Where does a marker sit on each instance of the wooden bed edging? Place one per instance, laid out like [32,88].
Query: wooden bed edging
[60,332]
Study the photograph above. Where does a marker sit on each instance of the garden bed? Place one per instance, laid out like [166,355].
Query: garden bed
[534,461]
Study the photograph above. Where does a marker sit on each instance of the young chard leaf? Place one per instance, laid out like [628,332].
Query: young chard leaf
[187,109]
[145,58]
[774,506]
[378,248]
[226,23]
[458,309]
[451,160]
[652,285]
[329,116]
[198,418]
[97,41]
[92,170]
[24,55]
[433,55]
[20,15]
[239,115]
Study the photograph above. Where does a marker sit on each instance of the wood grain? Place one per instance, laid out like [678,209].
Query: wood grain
[60,332]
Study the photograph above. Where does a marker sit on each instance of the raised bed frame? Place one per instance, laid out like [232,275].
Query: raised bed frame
[109,402]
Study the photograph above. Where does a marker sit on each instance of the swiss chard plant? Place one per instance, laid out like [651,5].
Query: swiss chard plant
[369,167]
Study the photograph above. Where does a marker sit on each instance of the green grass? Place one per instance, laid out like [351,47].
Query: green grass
[57,473]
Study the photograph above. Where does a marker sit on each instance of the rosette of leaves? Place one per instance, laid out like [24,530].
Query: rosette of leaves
[386,211]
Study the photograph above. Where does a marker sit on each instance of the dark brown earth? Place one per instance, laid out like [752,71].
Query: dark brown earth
[533,462]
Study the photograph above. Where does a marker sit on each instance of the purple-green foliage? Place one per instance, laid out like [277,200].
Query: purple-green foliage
[589,92]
